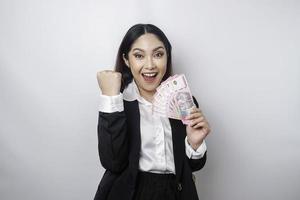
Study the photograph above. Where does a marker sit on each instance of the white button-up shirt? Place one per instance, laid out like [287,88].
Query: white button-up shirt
[156,153]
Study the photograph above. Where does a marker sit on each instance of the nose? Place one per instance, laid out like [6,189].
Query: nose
[149,64]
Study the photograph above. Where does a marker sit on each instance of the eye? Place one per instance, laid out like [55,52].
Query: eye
[159,54]
[138,56]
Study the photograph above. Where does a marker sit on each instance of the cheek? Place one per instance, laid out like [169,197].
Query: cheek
[134,71]
[135,67]
[162,65]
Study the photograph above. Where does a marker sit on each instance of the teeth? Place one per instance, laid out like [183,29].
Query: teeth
[149,74]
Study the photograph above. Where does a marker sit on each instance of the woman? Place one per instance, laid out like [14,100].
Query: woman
[145,156]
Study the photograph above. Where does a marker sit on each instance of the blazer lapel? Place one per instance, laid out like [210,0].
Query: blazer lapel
[132,111]
[178,137]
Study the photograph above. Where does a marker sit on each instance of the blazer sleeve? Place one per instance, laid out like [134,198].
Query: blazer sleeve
[197,164]
[113,141]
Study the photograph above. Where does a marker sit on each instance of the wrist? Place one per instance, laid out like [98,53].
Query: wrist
[110,93]
[194,145]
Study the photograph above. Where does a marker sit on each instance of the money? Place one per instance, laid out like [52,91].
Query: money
[173,98]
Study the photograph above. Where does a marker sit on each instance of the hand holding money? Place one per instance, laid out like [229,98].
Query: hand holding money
[173,99]
[109,82]
[197,129]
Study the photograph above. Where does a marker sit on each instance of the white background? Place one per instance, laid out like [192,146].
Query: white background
[242,62]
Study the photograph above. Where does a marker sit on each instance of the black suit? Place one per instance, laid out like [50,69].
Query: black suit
[119,148]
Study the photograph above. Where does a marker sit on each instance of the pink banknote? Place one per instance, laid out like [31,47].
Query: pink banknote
[173,98]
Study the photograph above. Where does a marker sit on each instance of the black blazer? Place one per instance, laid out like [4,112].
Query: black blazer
[119,144]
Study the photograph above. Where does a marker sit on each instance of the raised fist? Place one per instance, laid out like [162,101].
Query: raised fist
[109,82]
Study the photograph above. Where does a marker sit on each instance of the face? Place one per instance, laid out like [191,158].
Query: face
[147,61]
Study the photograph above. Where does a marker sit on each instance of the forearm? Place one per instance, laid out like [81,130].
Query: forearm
[197,164]
[112,133]
[113,140]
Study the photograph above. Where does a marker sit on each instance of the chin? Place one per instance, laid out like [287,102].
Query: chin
[151,88]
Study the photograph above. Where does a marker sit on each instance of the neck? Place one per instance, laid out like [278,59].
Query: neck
[149,96]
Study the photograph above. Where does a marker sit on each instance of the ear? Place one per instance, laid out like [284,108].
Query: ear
[126,61]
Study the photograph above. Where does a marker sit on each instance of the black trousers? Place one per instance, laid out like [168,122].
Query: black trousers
[153,186]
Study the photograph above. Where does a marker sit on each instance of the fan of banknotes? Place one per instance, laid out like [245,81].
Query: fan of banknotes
[173,98]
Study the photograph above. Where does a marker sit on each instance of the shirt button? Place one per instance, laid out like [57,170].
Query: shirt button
[179,187]
[194,178]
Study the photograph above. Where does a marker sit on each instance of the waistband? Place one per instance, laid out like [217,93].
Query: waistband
[157,176]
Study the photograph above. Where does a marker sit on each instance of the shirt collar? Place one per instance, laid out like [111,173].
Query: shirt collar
[131,93]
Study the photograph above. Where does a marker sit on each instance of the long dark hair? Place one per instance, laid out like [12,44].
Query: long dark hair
[132,34]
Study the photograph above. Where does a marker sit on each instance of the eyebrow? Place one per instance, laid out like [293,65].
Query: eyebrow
[144,50]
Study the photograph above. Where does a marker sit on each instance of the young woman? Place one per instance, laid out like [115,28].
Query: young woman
[146,157]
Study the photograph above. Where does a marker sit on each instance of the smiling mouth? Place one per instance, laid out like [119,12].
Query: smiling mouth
[153,74]
[149,77]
